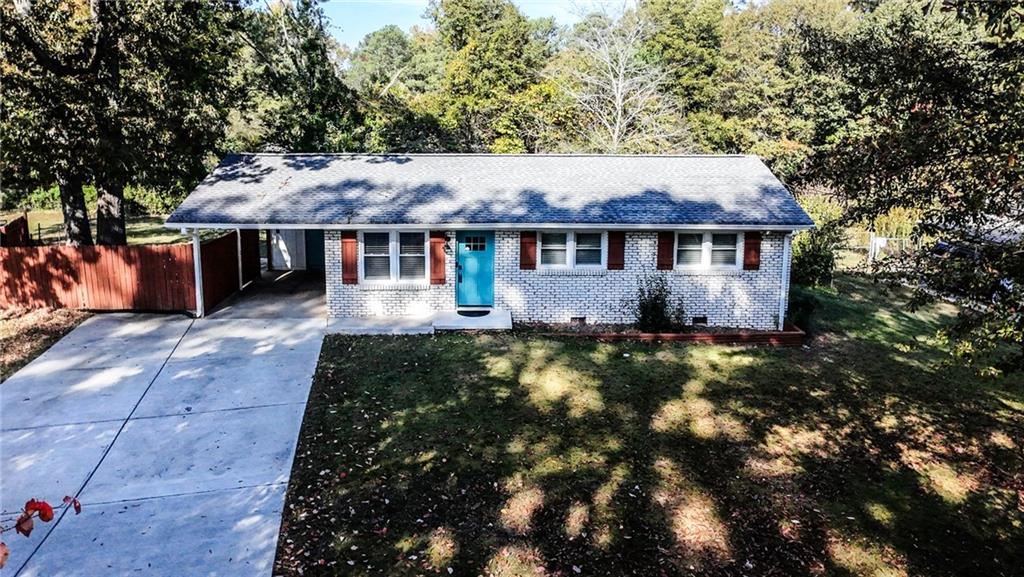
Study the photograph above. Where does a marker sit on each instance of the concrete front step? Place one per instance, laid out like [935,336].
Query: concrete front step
[496,319]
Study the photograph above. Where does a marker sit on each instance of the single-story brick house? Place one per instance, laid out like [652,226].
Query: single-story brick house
[546,237]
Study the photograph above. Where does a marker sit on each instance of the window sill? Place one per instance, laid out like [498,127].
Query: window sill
[572,271]
[378,285]
[729,271]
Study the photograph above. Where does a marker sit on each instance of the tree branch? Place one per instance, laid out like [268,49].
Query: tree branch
[82,64]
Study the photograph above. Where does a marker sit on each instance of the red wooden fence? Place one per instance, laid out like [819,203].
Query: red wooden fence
[134,277]
[220,269]
[15,233]
[250,255]
[141,277]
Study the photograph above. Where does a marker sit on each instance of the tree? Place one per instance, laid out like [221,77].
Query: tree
[380,61]
[47,117]
[298,97]
[936,123]
[814,251]
[115,93]
[620,90]
[496,53]
[398,77]
[769,102]
[686,37]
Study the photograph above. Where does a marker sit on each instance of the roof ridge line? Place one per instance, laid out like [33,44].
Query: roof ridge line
[493,155]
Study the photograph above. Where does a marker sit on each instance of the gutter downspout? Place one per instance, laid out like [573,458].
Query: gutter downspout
[197,261]
[784,281]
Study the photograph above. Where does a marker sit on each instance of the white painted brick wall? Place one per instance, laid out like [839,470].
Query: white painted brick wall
[382,299]
[732,298]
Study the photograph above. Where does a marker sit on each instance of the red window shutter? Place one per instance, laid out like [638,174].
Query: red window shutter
[527,250]
[666,244]
[349,258]
[437,242]
[752,251]
[616,250]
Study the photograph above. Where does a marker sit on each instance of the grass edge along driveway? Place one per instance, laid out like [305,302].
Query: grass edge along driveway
[864,454]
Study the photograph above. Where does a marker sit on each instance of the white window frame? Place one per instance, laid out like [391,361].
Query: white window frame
[705,253]
[570,250]
[393,258]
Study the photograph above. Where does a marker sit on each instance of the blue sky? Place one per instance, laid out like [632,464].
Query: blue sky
[353,19]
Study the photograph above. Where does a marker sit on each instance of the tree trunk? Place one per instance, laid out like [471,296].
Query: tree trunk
[72,204]
[110,227]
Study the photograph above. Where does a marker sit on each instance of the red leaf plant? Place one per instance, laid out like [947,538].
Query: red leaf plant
[24,523]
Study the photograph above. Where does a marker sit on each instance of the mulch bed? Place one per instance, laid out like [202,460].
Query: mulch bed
[790,336]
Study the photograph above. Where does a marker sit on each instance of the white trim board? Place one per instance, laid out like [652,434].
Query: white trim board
[496,226]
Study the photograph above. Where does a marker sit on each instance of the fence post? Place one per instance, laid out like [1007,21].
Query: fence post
[197,262]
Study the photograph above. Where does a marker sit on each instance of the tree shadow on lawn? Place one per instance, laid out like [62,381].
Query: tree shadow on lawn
[525,456]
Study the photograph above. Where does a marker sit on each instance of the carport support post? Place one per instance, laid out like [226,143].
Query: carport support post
[241,278]
[197,261]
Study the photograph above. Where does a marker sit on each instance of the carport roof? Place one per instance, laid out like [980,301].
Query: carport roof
[516,191]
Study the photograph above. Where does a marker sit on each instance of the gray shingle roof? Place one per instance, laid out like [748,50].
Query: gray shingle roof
[432,189]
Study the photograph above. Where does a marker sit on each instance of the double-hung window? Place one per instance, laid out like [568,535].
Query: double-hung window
[554,249]
[702,250]
[412,256]
[723,250]
[394,256]
[572,249]
[689,249]
[377,256]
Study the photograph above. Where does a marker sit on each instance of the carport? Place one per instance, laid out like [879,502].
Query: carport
[249,266]
[278,294]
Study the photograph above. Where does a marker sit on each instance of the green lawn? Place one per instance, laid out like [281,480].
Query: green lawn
[864,454]
[141,229]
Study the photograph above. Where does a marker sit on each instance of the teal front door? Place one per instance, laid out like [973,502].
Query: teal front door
[474,269]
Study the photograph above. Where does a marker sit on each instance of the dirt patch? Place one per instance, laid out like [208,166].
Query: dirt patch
[26,333]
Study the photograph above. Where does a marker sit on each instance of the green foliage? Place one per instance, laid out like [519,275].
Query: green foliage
[496,53]
[779,109]
[898,222]
[687,41]
[654,307]
[379,61]
[139,200]
[910,111]
[115,93]
[41,199]
[814,251]
[145,200]
[801,309]
[297,99]
[935,127]
[389,125]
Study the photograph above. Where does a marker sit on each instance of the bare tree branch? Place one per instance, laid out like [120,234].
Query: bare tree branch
[621,94]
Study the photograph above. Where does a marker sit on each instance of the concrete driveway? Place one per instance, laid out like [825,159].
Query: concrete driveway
[177,436]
